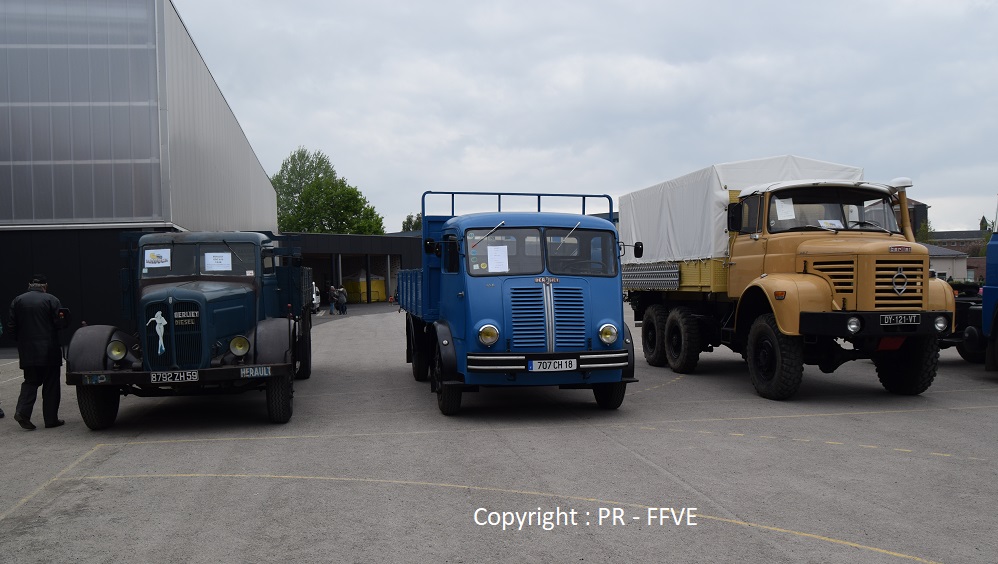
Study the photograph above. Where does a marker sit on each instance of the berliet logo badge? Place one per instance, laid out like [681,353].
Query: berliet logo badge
[899,249]
[900,281]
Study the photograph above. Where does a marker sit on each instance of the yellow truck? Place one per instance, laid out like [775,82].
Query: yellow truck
[788,261]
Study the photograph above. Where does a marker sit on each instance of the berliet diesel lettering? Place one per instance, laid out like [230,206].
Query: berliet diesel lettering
[527,298]
[217,313]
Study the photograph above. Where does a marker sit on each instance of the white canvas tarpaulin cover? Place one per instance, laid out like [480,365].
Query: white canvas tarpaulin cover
[685,218]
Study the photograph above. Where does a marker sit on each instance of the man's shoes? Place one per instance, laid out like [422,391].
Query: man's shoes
[56,423]
[24,422]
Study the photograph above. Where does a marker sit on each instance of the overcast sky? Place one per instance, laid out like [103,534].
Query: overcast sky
[612,96]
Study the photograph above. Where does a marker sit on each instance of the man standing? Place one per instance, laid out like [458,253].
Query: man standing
[33,322]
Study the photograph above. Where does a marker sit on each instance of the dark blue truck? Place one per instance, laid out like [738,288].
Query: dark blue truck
[216,313]
[519,298]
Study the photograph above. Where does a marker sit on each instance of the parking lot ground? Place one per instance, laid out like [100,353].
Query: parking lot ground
[691,468]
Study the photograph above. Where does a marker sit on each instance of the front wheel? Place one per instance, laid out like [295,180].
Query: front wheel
[911,369]
[280,398]
[609,396]
[972,354]
[448,397]
[98,405]
[775,360]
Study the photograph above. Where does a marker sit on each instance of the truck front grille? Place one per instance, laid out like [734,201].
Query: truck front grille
[530,323]
[899,284]
[180,347]
[841,273]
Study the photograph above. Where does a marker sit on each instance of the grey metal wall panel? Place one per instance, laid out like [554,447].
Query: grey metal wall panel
[214,179]
[78,113]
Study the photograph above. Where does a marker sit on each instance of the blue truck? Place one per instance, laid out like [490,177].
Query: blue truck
[215,313]
[517,298]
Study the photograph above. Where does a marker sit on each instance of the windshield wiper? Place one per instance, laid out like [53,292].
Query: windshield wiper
[565,238]
[501,223]
[227,246]
[810,226]
[873,223]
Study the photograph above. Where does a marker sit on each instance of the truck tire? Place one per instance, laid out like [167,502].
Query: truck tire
[775,360]
[653,335]
[280,398]
[98,405]
[682,340]
[971,354]
[609,396]
[448,397]
[911,369]
[419,360]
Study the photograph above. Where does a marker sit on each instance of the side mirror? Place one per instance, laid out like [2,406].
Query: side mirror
[639,249]
[429,246]
[62,316]
[735,217]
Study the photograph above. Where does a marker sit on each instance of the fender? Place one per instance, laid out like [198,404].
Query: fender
[448,352]
[86,349]
[804,292]
[629,346]
[941,297]
[270,341]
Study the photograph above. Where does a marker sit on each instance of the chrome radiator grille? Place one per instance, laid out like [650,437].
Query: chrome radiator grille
[899,284]
[531,326]
[181,344]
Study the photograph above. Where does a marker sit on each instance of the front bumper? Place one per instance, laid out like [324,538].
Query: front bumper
[178,378]
[513,362]
[874,323]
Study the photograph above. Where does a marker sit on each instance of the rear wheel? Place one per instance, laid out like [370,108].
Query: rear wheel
[448,397]
[653,335]
[98,405]
[418,356]
[280,398]
[682,340]
[775,360]
[911,369]
[609,396]
[303,364]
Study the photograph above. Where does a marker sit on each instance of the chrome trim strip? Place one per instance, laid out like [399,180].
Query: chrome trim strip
[549,316]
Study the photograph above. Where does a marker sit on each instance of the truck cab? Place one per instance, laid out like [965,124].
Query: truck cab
[214,313]
[517,299]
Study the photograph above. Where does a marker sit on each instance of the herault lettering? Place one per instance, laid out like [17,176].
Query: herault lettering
[254,372]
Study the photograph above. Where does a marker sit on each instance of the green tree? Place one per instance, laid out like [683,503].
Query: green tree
[311,198]
[924,234]
[413,222]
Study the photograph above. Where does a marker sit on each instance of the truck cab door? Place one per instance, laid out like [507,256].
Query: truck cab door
[748,245]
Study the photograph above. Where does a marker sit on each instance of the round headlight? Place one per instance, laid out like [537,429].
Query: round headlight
[608,334]
[488,335]
[116,350]
[941,323]
[853,324]
[239,345]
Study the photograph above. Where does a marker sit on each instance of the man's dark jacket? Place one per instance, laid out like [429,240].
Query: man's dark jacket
[32,322]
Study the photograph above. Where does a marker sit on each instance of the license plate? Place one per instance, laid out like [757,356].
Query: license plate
[551,365]
[900,319]
[168,377]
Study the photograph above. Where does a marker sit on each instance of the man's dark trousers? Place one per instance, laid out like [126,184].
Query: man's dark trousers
[48,378]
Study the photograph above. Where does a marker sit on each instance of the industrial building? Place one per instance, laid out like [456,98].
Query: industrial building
[111,122]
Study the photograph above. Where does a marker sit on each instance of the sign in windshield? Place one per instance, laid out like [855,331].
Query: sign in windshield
[836,209]
[209,259]
[522,251]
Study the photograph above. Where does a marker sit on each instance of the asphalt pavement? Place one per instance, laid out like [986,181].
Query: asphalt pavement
[691,468]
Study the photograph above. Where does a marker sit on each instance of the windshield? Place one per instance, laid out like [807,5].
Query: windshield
[518,251]
[206,259]
[839,209]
